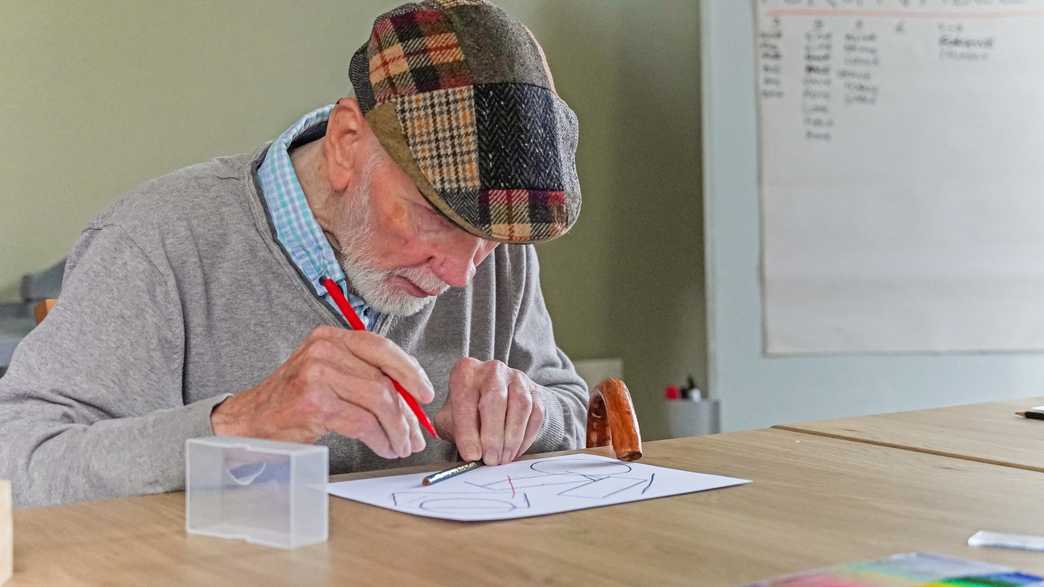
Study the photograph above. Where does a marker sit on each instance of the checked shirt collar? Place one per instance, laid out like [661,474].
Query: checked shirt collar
[296,228]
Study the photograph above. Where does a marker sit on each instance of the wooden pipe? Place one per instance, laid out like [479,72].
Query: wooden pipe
[611,417]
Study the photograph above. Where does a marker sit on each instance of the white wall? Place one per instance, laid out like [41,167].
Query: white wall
[757,391]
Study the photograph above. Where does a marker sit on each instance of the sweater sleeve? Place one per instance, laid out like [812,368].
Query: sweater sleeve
[535,352]
[92,405]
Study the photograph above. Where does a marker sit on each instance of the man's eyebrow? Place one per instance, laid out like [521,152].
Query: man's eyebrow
[418,199]
[428,206]
[427,203]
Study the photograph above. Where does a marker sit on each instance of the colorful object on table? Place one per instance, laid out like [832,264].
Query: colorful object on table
[357,324]
[461,97]
[690,384]
[690,391]
[1036,413]
[908,570]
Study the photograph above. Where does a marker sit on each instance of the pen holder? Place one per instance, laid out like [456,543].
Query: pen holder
[692,417]
[264,492]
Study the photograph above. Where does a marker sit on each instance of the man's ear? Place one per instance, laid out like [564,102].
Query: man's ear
[344,145]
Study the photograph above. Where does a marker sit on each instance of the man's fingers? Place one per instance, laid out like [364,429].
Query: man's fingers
[417,442]
[443,422]
[356,422]
[464,397]
[391,360]
[354,372]
[536,421]
[492,412]
[388,410]
[383,402]
[519,406]
[355,366]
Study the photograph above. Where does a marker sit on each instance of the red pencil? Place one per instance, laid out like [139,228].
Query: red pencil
[357,324]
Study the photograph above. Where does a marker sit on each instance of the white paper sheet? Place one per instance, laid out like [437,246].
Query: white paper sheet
[528,488]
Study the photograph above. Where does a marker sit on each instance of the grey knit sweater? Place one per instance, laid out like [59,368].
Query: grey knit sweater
[178,295]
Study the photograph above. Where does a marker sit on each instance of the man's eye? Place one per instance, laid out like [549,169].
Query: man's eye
[433,214]
[429,219]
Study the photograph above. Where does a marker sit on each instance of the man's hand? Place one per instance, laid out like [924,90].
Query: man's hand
[336,381]
[493,412]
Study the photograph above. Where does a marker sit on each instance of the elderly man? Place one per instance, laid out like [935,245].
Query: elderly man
[206,301]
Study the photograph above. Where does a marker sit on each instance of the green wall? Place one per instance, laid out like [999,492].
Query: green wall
[98,96]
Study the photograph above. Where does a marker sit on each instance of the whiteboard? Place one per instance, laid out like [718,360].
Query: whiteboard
[758,390]
[902,175]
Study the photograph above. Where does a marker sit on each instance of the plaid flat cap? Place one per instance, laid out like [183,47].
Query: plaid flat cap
[461,97]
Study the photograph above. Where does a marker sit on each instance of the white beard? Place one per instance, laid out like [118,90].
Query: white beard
[359,262]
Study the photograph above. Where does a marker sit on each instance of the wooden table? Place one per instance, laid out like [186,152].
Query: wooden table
[815,501]
[989,433]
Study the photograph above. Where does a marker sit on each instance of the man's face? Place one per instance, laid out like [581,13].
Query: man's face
[399,252]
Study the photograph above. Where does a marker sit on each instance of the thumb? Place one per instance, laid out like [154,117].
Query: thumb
[444,423]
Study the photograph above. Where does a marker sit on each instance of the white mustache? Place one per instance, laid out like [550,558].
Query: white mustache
[424,279]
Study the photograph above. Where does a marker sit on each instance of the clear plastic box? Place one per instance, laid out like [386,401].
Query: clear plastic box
[261,491]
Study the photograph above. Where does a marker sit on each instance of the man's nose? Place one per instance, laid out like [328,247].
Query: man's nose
[455,259]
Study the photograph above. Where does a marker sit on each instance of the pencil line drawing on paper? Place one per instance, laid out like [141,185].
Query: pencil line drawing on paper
[523,489]
[575,478]
[649,484]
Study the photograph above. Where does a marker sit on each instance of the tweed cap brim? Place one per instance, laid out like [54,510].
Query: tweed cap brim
[460,96]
